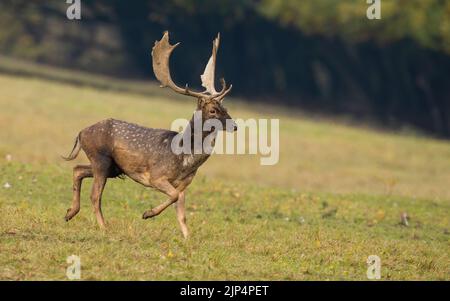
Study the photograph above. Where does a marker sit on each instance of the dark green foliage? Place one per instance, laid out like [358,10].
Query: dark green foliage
[317,54]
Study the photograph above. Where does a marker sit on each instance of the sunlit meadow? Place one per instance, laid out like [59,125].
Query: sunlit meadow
[334,198]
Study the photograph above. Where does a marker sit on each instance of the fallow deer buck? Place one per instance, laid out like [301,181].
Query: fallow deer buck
[115,148]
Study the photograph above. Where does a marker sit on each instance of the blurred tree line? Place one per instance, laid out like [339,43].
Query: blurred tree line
[322,55]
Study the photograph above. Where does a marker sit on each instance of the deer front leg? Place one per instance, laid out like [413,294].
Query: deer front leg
[181,213]
[167,188]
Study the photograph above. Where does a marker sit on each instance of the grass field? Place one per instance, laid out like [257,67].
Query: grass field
[334,198]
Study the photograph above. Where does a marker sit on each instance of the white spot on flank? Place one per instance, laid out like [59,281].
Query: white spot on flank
[187,160]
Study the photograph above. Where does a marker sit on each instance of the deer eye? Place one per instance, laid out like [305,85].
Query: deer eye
[212,111]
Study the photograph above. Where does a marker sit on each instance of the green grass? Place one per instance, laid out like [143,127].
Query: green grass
[334,198]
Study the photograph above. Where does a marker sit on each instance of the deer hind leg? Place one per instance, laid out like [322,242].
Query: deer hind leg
[163,186]
[96,197]
[103,168]
[181,214]
[79,173]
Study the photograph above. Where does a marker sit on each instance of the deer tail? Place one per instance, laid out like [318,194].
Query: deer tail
[75,150]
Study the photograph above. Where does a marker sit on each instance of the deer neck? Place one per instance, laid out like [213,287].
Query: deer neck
[198,137]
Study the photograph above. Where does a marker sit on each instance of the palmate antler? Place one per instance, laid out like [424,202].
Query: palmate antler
[208,75]
[161,57]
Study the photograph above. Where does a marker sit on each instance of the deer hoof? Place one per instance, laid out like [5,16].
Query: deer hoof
[148,214]
[70,213]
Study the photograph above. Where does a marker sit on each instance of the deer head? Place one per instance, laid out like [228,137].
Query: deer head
[209,102]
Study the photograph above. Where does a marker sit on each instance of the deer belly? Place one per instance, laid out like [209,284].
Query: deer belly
[134,166]
[143,178]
